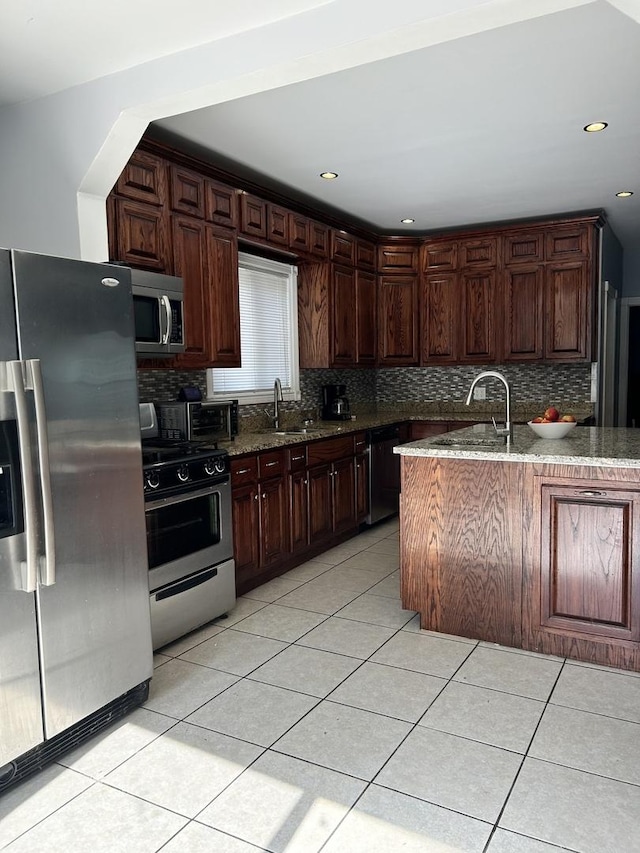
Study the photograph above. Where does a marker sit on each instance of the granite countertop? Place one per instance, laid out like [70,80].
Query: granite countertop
[613,447]
[252,440]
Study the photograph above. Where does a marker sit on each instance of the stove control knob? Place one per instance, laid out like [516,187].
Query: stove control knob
[183,473]
[210,467]
[220,466]
[151,480]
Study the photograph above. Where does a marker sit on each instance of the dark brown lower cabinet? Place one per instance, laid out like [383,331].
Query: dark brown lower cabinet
[535,556]
[588,536]
[259,519]
[313,501]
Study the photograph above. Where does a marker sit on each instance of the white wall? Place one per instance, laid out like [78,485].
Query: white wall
[60,155]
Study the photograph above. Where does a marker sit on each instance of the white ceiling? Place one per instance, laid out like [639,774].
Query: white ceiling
[477,129]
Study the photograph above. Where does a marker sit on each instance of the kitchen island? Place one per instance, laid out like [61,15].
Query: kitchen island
[529,545]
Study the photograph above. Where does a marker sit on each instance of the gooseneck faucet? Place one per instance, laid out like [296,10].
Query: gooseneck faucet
[507,431]
[277,398]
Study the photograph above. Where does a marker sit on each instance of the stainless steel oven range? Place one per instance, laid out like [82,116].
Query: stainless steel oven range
[187,494]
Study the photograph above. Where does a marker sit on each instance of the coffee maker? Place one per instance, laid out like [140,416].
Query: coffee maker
[335,406]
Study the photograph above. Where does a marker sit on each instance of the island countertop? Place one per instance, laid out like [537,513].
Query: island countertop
[615,447]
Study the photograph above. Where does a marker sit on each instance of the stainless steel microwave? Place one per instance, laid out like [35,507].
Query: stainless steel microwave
[158,310]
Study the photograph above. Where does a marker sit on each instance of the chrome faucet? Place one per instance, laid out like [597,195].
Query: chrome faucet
[507,430]
[277,398]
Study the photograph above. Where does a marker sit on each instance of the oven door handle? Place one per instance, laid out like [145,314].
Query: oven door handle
[187,496]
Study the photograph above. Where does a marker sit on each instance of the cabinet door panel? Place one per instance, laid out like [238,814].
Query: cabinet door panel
[320,523]
[277,225]
[587,560]
[313,314]
[253,216]
[398,318]
[187,192]
[299,232]
[440,311]
[567,299]
[478,327]
[273,539]
[365,254]
[523,312]
[343,313]
[399,259]
[567,244]
[524,248]
[190,263]
[344,497]
[343,247]
[439,257]
[366,302]
[224,315]
[478,253]
[319,239]
[298,511]
[221,204]
[144,178]
[245,532]
[142,240]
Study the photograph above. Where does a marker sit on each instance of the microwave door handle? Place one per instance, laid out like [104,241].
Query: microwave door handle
[48,574]
[166,338]
[30,567]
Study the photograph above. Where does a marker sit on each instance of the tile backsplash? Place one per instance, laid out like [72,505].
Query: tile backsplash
[391,387]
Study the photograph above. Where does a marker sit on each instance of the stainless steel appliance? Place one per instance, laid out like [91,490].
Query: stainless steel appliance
[74,607]
[158,313]
[189,536]
[384,472]
[198,421]
[335,405]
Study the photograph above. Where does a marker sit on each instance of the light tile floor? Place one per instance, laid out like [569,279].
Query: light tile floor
[318,716]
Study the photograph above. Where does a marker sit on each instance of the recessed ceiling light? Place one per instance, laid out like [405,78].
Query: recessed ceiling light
[624,194]
[595,126]
[329,176]
[407,221]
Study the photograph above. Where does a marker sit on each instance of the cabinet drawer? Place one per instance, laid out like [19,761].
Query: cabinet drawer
[297,458]
[360,442]
[271,464]
[244,470]
[332,448]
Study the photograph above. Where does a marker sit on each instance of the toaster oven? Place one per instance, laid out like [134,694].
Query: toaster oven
[198,421]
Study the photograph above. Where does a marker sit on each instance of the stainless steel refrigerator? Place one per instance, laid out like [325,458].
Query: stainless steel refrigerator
[75,639]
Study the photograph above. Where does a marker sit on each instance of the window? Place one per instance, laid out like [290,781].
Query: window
[268,335]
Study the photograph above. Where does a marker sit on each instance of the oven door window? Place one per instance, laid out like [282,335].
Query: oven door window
[183,528]
[146,312]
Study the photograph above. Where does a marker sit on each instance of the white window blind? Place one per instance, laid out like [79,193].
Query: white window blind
[268,333]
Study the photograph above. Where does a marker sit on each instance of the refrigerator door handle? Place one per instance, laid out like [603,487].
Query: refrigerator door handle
[166,338]
[29,568]
[48,573]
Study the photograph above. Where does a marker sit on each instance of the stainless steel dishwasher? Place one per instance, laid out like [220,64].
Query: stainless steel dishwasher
[384,472]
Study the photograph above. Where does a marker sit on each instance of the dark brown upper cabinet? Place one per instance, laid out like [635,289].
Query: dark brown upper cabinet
[221,204]
[299,233]
[187,191]
[253,216]
[277,225]
[144,178]
[398,258]
[343,247]
[365,255]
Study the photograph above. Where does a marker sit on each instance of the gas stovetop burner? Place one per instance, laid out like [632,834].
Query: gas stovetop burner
[172,467]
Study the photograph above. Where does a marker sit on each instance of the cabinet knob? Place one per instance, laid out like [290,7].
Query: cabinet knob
[255,497]
[270,464]
[588,493]
[243,471]
[264,494]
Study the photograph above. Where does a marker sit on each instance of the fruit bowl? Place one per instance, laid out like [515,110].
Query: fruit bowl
[557,429]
